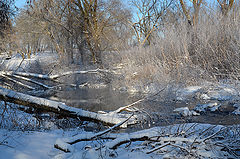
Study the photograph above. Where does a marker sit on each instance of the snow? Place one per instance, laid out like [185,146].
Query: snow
[211,106]
[40,144]
[212,95]
[13,64]
[184,111]
[28,145]
[184,93]
[217,91]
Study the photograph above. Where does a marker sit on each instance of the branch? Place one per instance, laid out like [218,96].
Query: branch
[124,108]
[63,144]
[157,148]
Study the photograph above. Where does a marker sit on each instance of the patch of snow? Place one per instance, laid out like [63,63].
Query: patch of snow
[39,58]
[205,97]
[220,93]
[217,91]
[28,145]
[187,92]
[209,106]
[184,111]
[237,111]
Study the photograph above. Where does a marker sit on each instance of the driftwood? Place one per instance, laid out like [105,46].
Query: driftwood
[63,109]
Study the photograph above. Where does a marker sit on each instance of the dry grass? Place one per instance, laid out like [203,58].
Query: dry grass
[185,55]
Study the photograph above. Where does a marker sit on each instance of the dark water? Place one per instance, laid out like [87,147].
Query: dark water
[161,112]
[101,99]
[166,116]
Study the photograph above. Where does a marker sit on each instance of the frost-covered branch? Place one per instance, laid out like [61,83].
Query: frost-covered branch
[157,148]
[127,107]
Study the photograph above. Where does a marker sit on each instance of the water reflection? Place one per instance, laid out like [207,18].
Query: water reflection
[105,99]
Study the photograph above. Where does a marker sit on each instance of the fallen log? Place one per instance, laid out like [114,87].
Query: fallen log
[33,81]
[61,108]
[17,82]
[52,77]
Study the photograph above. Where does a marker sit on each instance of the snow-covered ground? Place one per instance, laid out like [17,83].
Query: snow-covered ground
[40,145]
[207,141]
[38,60]
[27,145]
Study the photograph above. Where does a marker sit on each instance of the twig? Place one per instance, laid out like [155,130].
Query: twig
[20,64]
[157,148]
[138,101]
[227,147]
[206,130]
[6,145]
[209,137]
[102,132]
[192,126]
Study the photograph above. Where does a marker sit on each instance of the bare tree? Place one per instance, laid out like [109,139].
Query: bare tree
[191,18]
[30,33]
[6,12]
[80,23]
[98,18]
[56,22]
[226,6]
[149,14]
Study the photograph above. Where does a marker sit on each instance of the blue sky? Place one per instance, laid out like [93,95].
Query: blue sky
[20,3]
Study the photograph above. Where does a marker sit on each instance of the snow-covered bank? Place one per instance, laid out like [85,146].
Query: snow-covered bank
[29,144]
[213,97]
[36,62]
[182,141]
